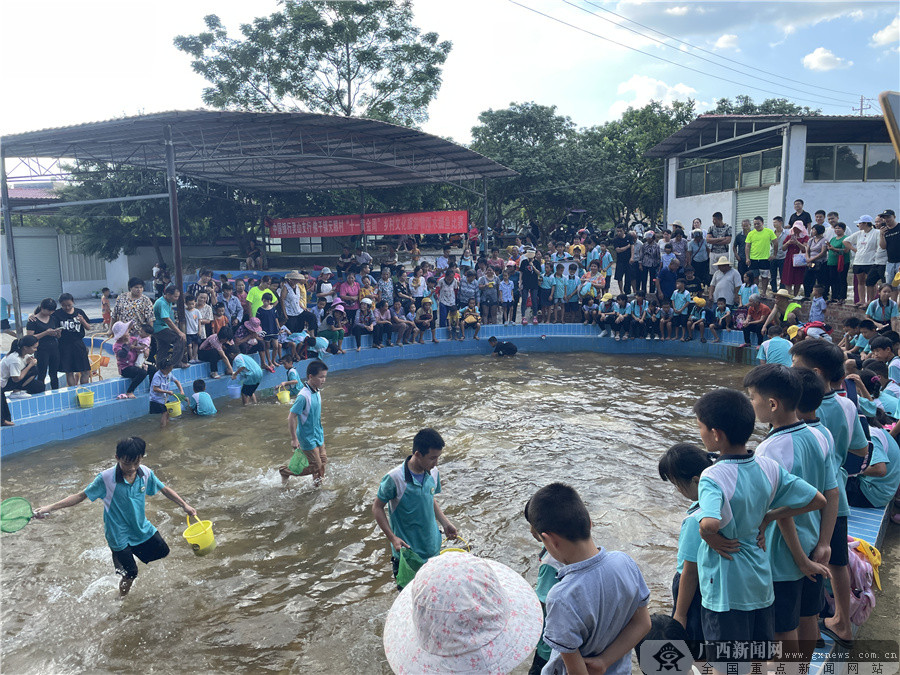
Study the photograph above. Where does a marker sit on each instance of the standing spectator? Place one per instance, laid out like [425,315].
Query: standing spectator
[73,356]
[294,302]
[255,295]
[778,260]
[864,242]
[719,239]
[447,288]
[488,285]
[890,241]
[740,242]
[799,214]
[386,287]
[759,247]
[203,284]
[650,261]
[816,252]
[234,310]
[795,244]
[383,324]
[206,314]
[167,347]
[622,246]
[133,306]
[348,292]
[161,279]
[637,248]
[43,325]
[698,256]
[838,263]
[680,247]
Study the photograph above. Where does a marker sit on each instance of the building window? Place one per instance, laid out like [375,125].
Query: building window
[697,176]
[881,163]
[851,162]
[310,244]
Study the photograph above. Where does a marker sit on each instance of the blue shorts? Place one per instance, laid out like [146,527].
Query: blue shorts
[840,555]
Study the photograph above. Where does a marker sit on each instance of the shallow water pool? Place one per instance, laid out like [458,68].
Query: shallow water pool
[300,581]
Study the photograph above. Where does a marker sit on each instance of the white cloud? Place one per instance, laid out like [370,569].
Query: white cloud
[678,10]
[823,60]
[646,89]
[889,34]
[728,41]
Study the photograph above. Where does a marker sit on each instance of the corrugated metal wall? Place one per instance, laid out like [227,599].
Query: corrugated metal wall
[76,267]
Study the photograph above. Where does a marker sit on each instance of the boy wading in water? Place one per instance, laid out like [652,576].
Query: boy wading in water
[123,489]
[305,423]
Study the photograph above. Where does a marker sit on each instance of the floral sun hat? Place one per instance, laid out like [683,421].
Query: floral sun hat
[462,614]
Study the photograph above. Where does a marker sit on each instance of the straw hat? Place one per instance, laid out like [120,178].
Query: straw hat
[294,275]
[723,260]
[784,293]
[462,614]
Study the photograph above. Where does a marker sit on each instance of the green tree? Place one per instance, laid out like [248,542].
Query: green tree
[745,105]
[363,59]
[536,142]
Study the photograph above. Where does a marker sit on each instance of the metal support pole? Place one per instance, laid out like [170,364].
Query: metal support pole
[173,217]
[484,234]
[362,218]
[666,188]
[785,168]
[10,248]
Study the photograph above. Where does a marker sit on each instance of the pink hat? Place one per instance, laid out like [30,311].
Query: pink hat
[462,614]
[120,328]
[253,325]
[800,226]
[337,307]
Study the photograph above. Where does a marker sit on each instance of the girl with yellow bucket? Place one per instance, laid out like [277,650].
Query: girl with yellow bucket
[123,490]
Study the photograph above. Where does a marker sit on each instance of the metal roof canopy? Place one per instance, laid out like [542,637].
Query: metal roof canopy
[716,135]
[259,151]
[253,151]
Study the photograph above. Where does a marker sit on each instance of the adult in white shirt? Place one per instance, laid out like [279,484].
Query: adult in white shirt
[864,242]
[725,283]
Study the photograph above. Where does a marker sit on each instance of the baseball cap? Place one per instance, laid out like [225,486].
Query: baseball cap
[887,212]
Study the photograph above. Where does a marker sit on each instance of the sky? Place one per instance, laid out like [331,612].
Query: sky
[67,62]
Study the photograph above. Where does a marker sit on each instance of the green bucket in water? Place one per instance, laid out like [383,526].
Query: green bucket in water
[410,563]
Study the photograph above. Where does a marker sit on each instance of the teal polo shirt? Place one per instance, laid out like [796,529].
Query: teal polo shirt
[412,508]
[775,350]
[879,490]
[252,373]
[124,519]
[308,409]
[838,415]
[739,491]
[804,452]
[162,310]
[689,538]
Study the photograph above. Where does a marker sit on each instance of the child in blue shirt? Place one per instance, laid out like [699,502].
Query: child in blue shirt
[722,319]
[682,465]
[307,434]
[681,307]
[776,349]
[747,289]
[606,262]
[598,608]
[292,377]
[739,496]
[818,306]
[558,292]
[623,317]
[124,489]
[160,390]
[666,318]
[775,392]
[201,403]
[697,320]
[547,571]
[251,374]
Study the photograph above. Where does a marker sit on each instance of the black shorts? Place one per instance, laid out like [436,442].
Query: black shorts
[249,389]
[157,408]
[795,599]
[192,338]
[876,274]
[839,552]
[573,306]
[155,548]
[754,625]
[4,324]
[862,269]
[694,626]
[855,496]
[679,320]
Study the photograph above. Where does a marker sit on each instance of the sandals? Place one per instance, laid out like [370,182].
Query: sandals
[839,641]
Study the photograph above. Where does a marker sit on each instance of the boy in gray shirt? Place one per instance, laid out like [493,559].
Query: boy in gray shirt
[598,610]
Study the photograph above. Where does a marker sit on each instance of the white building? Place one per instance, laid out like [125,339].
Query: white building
[757,165]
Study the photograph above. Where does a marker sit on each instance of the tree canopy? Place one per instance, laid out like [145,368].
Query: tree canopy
[745,105]
[362,59]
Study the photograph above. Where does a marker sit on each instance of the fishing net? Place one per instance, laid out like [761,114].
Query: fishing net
[15,513]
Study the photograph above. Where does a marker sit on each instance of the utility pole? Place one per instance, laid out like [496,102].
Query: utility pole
[863,106]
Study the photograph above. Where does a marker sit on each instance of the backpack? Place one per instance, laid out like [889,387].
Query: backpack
[862,599]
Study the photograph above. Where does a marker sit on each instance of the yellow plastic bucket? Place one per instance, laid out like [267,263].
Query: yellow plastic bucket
[200,536]
[85,398]
[464,546]
[174,408]
[284,396]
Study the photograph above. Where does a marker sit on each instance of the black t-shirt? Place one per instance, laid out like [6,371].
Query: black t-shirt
[622,257]
[529,277]
[892,240]
[692,285]
[38,326]
[505,348]
[803,216]
[72,328]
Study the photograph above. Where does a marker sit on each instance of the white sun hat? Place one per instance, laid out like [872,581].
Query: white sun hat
[462,614]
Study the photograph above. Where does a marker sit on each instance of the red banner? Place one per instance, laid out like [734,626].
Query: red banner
[427,222]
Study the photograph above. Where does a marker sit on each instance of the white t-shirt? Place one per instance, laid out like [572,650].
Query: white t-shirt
[447,293]
[192,321]
[726,285]
[866,244]
[12,365]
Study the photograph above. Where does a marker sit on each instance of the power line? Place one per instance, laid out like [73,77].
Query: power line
[696,56]
[665,60]
[740,63]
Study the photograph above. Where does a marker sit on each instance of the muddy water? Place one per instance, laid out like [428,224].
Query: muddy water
[300,581]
